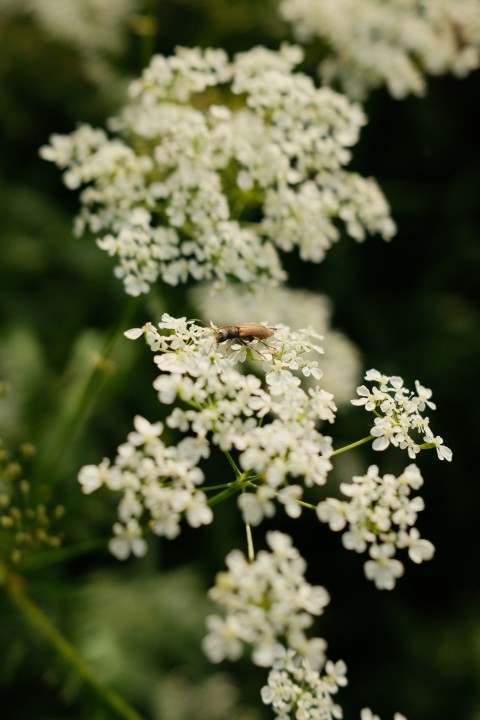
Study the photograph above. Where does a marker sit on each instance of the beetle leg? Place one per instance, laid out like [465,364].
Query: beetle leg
[254,349]
[230,343]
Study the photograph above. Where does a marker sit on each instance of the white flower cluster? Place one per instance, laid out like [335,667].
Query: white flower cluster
[231,408]
[398,414]
[298,692]
[267,606]
[222,407]
[380,515]
[395,43]
[95,29]
[213,166]
[154,478]
[341,365]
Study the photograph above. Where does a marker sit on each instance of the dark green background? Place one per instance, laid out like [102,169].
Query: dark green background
[411,306]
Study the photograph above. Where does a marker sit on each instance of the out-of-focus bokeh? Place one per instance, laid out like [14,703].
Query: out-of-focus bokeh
[411,307]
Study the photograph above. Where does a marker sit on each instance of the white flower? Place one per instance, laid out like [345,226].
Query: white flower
[296,690]
[424,395]
[266,603]
[197,511]
[332,511]
[258,505]
[398,415]
[160,192]
[366,714]
[145,432]
[380,515]
[92,477]
[357,538]
[385,431]
[129,506]
[282,546]
[154,478]
[222,641]
[367,398]
[128,539]
[372,43]
[383,569]
[289,497]
[418,548]
[444,453]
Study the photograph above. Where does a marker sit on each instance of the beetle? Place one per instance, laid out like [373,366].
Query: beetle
[244,334]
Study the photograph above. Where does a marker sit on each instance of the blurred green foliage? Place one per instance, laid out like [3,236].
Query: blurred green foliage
[411,306]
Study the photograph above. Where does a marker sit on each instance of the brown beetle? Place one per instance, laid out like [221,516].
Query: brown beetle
[244,334]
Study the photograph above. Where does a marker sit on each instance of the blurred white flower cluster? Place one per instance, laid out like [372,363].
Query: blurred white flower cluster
[296,690]
[341,363]
[380,515]
[96,29]
[267,605]
[399,413]
[214,166]
[220,406]
[371,43]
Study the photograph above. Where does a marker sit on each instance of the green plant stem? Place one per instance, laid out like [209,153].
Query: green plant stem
[427,446]
[40,622]
[233,464]
[352,445]
[210,488]
[250,548]
[232,489]
[307,505]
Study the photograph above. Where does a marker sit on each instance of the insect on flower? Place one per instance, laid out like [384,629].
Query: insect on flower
[243,334]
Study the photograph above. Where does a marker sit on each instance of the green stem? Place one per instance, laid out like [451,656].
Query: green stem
[209,488]
[233,489]
[40,622]
[352,445]
[233,464]
[427,446]
[307,505]
[250,548]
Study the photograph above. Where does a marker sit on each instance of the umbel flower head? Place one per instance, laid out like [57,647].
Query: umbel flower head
[396,43]
[267,605]
[296,690]
[213,166]
[267,425]
[380,515]
[399,418]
